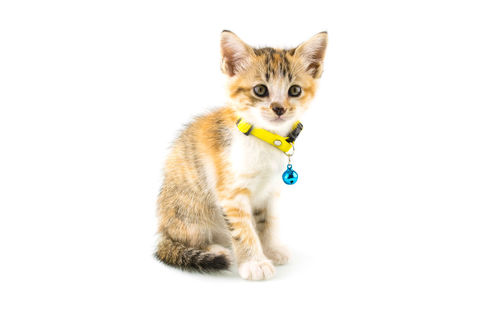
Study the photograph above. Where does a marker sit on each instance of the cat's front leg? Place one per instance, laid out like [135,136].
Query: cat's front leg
[252,263]
[267,228]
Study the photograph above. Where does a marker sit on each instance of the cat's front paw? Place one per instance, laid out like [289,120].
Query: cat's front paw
[278,254]
[256,270]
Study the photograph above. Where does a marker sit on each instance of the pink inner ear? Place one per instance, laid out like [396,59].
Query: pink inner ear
[234,61]
[229,61]
[319,53]
[314,54]
[314,48]
[313,68]
[234,52]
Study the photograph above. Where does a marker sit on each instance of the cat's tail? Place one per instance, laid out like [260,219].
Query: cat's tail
[191,259]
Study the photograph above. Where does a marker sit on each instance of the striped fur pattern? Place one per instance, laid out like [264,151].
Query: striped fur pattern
[218,200]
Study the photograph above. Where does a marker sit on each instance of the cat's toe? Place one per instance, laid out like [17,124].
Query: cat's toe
[278,254]
[256,270]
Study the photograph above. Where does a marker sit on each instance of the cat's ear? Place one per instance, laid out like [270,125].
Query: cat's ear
[312,53]
[235,53]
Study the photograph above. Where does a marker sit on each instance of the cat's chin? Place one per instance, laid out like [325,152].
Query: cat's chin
[280,122]
[277,121]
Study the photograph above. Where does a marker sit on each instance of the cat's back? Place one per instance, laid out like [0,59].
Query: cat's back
[206,133]
[203,141]
[192,165]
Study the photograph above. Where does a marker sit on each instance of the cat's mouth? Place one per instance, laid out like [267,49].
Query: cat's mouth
[277,119]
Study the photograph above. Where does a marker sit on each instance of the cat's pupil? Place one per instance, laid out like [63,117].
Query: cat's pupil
[294,91]
[260,90]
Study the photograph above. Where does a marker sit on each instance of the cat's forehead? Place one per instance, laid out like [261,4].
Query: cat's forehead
[275,63]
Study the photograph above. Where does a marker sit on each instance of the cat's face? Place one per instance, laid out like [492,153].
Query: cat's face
[272,87]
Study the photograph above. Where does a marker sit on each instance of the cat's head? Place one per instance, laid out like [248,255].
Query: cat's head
[268,87]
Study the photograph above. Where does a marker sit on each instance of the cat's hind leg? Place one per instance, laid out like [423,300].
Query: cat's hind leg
[187,243]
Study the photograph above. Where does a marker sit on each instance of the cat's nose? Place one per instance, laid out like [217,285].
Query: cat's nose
[278,109]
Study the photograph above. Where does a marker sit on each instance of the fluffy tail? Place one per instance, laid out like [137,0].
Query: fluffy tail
[191,259]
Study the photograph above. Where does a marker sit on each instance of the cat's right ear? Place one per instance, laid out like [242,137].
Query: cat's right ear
[235,53]
[312,53]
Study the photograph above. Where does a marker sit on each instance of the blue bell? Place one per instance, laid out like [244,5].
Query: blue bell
[290,176]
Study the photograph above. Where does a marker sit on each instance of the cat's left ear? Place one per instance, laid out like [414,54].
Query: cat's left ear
[235,53]
[312,53]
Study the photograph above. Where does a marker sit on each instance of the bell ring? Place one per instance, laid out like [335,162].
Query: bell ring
[290,176]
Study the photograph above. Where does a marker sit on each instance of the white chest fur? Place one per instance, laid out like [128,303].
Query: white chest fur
[257,165]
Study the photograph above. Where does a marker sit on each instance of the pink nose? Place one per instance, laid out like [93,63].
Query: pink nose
[278,109]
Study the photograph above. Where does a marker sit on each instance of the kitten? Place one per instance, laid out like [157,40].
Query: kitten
[220,189]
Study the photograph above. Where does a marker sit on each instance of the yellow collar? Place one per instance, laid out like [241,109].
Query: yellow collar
[282,143]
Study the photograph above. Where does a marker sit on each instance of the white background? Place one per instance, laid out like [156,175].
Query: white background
[397,206]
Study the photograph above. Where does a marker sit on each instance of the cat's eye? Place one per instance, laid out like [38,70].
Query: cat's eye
[294,91]
[260,90]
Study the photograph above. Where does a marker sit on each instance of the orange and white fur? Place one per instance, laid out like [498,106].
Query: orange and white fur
[219,196]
